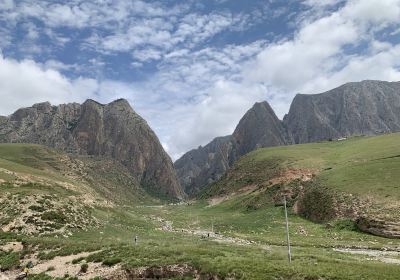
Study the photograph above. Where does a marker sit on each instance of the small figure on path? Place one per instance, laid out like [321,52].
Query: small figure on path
[136,239]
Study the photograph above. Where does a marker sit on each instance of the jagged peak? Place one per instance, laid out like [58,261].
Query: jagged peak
[92,101]
[46,103]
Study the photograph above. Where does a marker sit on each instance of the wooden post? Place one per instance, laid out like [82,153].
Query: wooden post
[287,232]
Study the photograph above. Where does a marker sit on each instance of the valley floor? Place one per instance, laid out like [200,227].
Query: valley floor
[199,241]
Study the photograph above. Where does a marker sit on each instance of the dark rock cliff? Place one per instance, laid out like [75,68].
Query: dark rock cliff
[361,108]
[113,130]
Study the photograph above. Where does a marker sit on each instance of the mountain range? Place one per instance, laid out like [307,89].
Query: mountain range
[117,132]
[353,109]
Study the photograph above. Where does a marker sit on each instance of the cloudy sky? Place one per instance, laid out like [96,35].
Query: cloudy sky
[192,68]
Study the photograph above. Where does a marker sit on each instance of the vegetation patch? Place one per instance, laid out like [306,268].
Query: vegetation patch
[9,260]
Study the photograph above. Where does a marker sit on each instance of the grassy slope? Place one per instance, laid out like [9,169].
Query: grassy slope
[362,165]
[313,256]
[107,178]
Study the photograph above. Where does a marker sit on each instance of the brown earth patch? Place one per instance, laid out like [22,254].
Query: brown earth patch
[289,175]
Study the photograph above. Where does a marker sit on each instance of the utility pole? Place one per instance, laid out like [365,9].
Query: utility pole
[287,231]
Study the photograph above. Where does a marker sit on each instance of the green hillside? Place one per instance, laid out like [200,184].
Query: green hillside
[68,213]
[46,191]
[353,178]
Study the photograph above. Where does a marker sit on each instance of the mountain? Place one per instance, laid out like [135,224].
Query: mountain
[113,130]
[205,165]
[259,127]
[360,108]
[364,108]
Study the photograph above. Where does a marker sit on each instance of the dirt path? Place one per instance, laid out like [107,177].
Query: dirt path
[390,257]
[206,234]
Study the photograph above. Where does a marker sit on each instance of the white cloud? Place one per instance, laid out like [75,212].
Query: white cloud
[200,92]
[319,57]
[23,83]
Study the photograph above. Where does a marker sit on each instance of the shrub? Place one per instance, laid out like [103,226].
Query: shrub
[84,267]
[318,204]
[111,261]
[54,216]
[78,260]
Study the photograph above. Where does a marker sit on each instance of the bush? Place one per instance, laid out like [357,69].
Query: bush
[345,225]
[111,261]
[78,260]
[318,204]
[54,216]
[84,267]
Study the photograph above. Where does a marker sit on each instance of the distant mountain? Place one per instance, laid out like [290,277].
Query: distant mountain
[205,165]
[113,130]
[362,108]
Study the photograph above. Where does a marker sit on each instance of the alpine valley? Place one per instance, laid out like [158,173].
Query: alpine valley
[88,192]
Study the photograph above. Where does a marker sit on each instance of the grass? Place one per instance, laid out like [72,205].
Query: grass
[8,260]
[360,165]
[255,216]
[266,259]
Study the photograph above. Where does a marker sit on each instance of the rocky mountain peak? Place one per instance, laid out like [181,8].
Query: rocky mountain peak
[259,127]
[112,130]
[358,108]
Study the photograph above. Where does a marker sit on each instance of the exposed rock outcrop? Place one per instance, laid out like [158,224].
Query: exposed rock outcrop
[364,108]
[361,108]
[114,130]
[205,165]
[259,127]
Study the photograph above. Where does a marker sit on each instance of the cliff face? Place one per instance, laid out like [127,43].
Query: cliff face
[113,130]
[204,165]
[259,127]
[365,108]
[362,108]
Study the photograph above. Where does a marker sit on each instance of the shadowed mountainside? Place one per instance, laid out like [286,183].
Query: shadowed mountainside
[113,130]
[361,108]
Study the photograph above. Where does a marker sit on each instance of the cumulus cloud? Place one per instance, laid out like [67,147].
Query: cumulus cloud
[23,83]
[319,57]
[196,90]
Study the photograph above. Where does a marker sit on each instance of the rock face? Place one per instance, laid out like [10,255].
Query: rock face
[205,165]
[113,130]
[362,108]
[259,127]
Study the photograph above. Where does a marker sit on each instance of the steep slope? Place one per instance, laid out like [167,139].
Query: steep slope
[204,165]
[48,191]
[365,108]
[355,179]
[362,108]
[259,127]
[113,130]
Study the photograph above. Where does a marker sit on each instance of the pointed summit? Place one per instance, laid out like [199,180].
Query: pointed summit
[259,127]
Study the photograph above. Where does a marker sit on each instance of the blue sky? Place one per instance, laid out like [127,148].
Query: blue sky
[192,68]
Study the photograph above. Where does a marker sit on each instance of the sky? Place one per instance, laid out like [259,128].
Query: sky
[192,68]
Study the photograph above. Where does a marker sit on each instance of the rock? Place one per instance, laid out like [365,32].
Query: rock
[363,108]
[259,127]
[113,130]
[353,109]
[378,227]
[205,165]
